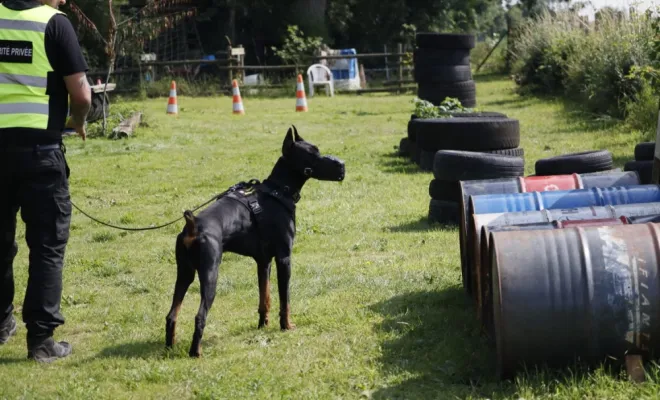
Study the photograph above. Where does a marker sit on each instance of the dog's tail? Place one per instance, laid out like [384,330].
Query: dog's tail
[191,229]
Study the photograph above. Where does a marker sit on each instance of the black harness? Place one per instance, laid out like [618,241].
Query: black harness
[247,193]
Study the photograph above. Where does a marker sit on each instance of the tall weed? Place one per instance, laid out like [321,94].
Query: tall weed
[592,62]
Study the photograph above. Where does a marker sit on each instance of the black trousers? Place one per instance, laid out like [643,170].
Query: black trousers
[36,182]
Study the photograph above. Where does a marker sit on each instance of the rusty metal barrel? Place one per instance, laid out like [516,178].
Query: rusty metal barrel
[531,184]
[484,299]
[635,213]
[645,219]
[587,293]
[536,201]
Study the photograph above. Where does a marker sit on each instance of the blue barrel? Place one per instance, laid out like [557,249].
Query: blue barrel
[502,203]
[588,293]
[530,184]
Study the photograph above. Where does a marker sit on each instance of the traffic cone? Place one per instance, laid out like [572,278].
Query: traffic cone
[238,102]
[172,107]
[301,100]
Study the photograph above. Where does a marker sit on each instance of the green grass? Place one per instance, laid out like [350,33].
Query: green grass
[376,292]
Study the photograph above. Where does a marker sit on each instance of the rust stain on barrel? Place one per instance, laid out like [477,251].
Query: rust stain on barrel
[580,292]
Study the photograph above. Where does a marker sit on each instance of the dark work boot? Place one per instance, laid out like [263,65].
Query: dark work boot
[7,329]
[45,349]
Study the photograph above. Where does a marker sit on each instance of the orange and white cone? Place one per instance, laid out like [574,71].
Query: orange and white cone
[238,102]
[301,100]
[172,106]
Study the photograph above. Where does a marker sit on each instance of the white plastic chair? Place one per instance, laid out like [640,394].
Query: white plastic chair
[319,74]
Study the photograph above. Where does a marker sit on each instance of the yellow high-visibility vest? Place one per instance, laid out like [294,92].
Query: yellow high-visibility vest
[24,67]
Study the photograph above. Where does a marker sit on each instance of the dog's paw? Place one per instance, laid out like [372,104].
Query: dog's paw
[288,326]
[195,351]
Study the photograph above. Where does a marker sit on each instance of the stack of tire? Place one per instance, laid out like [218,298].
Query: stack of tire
[451,166]
[472,146]
[643,163]
[575,163]
[424,158]
[486,132]
[442,68]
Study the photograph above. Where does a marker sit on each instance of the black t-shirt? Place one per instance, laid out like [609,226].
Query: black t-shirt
[66,58]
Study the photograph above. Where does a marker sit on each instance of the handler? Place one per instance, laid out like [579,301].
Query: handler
[41,65]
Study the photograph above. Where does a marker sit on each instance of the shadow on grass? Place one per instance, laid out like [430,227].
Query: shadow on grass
[434,337]
[139,349]
[490,77]
[433,341]
[394,163]
[12,361]
[511,103]
[420,225]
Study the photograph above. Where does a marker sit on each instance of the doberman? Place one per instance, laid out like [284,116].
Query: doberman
[251,219]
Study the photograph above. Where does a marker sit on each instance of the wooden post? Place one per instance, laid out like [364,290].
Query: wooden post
[363,77]
[507,56]
[400,51]
[656,158]
[242,65]
[387,68]
[231,63]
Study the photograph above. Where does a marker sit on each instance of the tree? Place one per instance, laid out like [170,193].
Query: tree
[127,35]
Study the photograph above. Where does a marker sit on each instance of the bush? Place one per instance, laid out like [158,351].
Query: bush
[642,111]
[561,54]
[496,63]
[542,50]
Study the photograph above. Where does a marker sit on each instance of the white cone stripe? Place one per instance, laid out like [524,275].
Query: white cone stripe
[172,92]
[172,108]
[236,92]
[301,102]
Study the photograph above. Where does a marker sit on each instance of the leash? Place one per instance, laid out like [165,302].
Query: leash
[240,185]
[146,228]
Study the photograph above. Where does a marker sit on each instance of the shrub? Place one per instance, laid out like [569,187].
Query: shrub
[425,109]
[496,63]
[561,54]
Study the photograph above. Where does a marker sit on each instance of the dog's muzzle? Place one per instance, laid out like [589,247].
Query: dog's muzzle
[332,169]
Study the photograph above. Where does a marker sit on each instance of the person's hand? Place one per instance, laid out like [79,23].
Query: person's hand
[78,127]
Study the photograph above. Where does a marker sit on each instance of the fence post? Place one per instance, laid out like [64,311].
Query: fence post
[656,157]
[387,68]
[230,58]
[400,50]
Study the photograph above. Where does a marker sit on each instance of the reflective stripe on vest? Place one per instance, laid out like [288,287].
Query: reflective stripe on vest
[24,67]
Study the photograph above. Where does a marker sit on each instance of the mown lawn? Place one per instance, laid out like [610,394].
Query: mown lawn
[376,292]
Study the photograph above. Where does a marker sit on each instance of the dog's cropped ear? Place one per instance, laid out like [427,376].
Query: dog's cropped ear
[288,141]
[297,136]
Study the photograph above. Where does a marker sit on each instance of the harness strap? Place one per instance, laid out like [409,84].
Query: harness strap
[247,193]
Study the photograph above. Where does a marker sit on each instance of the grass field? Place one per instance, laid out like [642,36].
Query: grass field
[376,292]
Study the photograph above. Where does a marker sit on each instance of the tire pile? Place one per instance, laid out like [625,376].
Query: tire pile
[452,166]
[575,163]
[442,67]
[643,163]
[465,147]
